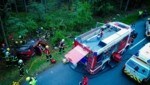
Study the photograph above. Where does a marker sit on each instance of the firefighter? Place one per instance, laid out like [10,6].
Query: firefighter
[140,14]
[3,48]
[48,55]
[31,80]
[39,31]
[14,60]
[100,34]
[16,43]
[20,66]
[21,40]
[61,45]
[84,81]
[7,57]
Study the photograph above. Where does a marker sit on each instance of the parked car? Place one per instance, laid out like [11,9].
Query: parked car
[147,33]
[31,48]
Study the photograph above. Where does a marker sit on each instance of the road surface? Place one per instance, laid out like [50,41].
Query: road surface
[62,74]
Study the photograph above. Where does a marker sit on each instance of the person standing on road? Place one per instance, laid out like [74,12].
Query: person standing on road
[84,81]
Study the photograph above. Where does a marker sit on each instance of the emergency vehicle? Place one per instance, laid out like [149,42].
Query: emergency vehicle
[138,66]
[95,51]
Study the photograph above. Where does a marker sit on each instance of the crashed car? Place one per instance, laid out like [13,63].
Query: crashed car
[147,33]
[31,48]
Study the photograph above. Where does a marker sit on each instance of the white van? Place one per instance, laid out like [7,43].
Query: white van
[138,66]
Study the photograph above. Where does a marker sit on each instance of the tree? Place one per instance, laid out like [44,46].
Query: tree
[102,7]
[16,25]
[37,10]
[3,31]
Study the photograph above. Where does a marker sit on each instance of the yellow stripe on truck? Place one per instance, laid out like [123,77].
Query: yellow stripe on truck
[133,77]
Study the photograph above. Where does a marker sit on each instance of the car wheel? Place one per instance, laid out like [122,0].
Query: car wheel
[145,81]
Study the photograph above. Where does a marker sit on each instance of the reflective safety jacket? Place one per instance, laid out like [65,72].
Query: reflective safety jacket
[33,81]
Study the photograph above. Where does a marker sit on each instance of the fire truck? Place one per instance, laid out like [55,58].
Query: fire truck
[138,66]
[97,47]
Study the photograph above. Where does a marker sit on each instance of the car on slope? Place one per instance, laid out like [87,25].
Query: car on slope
[32,47]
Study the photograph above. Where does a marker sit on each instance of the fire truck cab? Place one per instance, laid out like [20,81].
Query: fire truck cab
[138,66]
[95,48]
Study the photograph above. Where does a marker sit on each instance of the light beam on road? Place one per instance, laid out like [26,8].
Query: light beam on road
[137,43]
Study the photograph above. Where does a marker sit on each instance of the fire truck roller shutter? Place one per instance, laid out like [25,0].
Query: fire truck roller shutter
[76,54]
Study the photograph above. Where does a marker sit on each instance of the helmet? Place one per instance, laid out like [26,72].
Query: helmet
[63,40]
[7,53]
[20,36]
[39,44]
[8,49]
[47,46]
[41,27]
[20,41]
[20,61]
[16,42]
[27,78]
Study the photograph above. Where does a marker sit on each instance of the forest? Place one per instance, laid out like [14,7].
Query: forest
[62,19]
[23,17]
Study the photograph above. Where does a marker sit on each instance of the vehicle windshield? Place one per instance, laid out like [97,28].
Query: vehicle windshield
[137,67]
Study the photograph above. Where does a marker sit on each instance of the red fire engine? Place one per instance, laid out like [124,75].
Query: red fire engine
[97,47]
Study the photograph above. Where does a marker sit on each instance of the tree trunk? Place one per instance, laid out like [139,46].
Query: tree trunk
[3,31]
[3,2]
[25,5]
[121,3]
[45,5]
[127,5]
[16,6]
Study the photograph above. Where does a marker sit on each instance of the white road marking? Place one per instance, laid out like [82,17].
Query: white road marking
[137,43]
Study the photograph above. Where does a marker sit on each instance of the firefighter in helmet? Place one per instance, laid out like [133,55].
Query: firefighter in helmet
[7,57]
[61,45]
[20,66]
[47,51]
[31,80]
[140,14]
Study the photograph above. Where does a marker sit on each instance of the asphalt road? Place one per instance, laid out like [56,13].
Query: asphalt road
[62,74]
